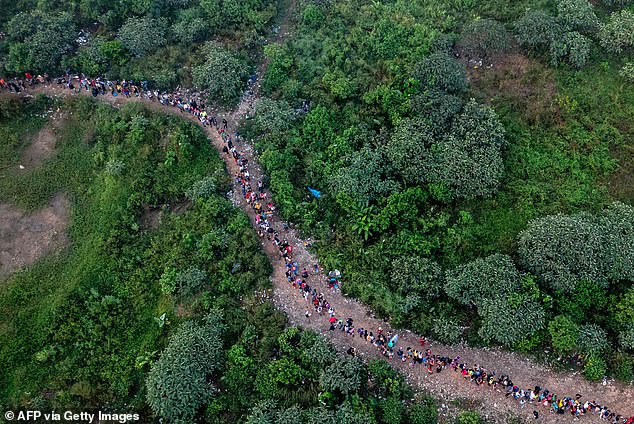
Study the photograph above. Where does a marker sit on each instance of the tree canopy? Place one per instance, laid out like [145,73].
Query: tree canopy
[562,250]
[142,36]
[222,74]
[501,295]
[177,383]
[39,40]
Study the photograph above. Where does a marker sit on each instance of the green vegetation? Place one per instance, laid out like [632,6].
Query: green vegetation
[77,323]
[511,184]
[160,41]
[164,321]
[475,160]
[222,74]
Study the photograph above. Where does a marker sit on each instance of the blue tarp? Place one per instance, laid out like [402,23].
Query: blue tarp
[314,192]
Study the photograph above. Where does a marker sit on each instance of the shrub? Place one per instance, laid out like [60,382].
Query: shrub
[222,74]
[483,278]
[272,116]
[616,3]
[168,281]
[191,282]
[563,250]
[343,376]
[99,56]
[187,283]
[313,16]
[11,106]
[563,334]
[576,15]
[469,161]
[424,411]
[592,339]
[595,368]
[409,150]
[498,324]
[391,410]
[627,71]
[38,40]
[626,338]
[618,33]
[366,177]
[446,330]
[264,412]
[624,309]
[278,71]
[191,26]
[162,67]
[177,383]
[536,30]
[443,72]
[317,349]
[469,418]
[418,275]
[483,37]
[202,189]
[143,35]
[622,365]
[617,222]
[571,47]
[496,288]
[438,108]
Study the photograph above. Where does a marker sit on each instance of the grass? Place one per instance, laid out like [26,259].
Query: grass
[59,337]
[569,149]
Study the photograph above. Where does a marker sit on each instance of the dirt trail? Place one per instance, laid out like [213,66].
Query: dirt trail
[447,385]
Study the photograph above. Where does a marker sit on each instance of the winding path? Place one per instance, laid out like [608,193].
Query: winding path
[448,386]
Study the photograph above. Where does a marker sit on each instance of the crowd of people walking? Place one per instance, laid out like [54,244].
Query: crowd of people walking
[256,196]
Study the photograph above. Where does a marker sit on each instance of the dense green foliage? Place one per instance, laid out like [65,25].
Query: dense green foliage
[164,321]
[37,40]
[475,160]
[80,321]
[163,42]
[142,36]
[177,382]
[564,250]
[484,37]
[500,292]
[536,30]
[416,165]
[618,33]
[222,74]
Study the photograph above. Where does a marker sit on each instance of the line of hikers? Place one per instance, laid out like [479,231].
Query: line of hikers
[257,198]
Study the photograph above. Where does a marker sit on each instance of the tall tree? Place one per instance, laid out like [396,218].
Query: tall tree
[177,383]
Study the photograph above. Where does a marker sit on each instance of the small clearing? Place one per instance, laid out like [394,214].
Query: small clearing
[42,145]
[621,182]
[525,84]
[24,238]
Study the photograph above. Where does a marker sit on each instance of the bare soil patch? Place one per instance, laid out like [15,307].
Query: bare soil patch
[524,83]
[42,146]
[152,216]
[24,238]
[621,182]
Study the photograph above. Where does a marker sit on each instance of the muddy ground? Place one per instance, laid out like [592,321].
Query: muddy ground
[26,237]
